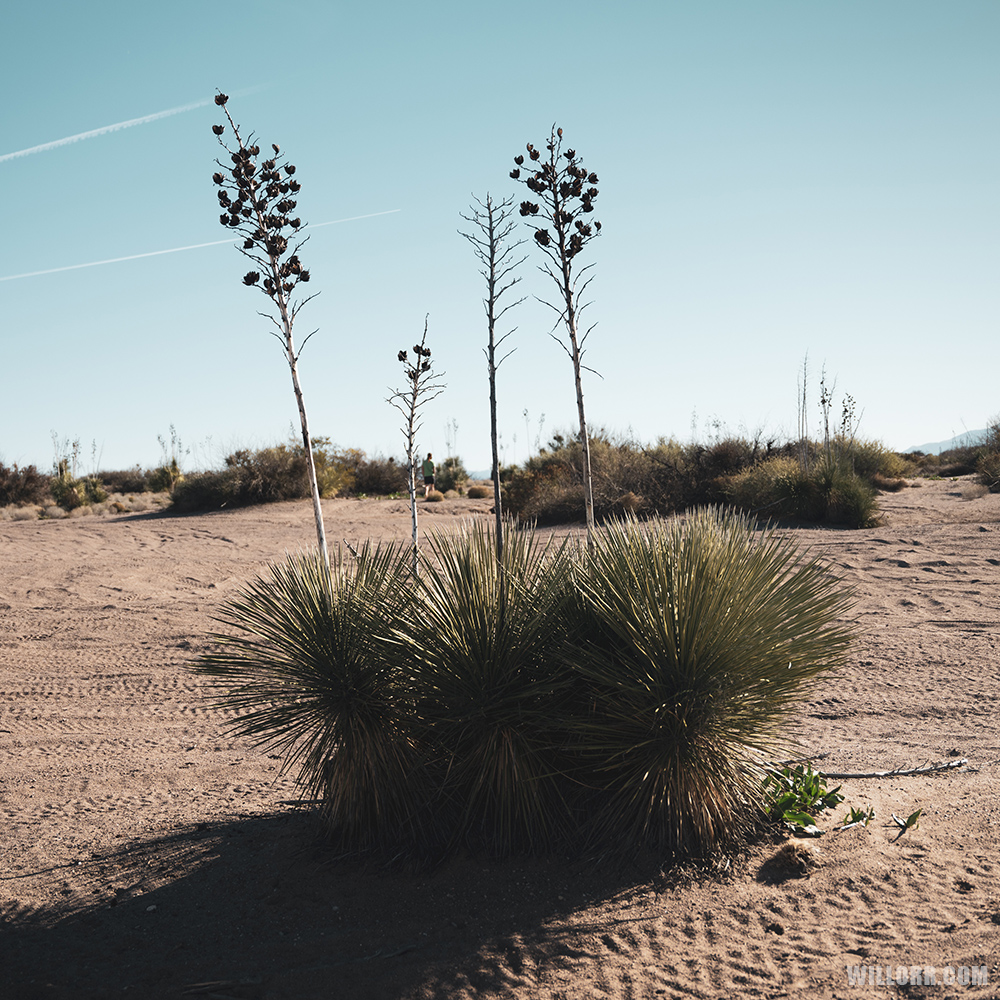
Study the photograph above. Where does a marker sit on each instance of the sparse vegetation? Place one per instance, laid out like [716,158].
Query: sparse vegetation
[795,795]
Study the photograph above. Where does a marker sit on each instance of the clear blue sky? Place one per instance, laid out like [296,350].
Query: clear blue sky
[776,178]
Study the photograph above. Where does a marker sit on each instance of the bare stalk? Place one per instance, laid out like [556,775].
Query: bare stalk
[259,213]
[491,244]
[424,386]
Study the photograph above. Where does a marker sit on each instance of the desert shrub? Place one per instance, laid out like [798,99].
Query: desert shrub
[165,478]
[380,477]
[435,496]
[626,696]
[479,653]
[479,492]
[780,487]
[250,477]
[950,468]
[849,499]
[450,474]
[133,480]
[870,459]
[22,486]
[988,463]
[777,487]
[700,638]
[887,485]
[71,493]
[627,477]
[280,472]
[336,468]
[94,490]
[305,667]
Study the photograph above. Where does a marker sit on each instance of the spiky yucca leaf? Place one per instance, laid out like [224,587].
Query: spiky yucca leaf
[478,653]
[703,636]
[305,670]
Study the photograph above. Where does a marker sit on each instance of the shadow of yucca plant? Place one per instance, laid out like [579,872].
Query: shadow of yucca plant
[305,668]
[702,636]
[479,656]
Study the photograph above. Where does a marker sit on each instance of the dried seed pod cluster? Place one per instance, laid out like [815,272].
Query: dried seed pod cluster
[421,364]
[566,190]
[255,198]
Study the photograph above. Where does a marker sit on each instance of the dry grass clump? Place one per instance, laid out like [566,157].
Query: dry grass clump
[435,496]
[479,492]
[16,512]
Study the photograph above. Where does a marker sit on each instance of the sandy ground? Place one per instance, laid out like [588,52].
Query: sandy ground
[144,853]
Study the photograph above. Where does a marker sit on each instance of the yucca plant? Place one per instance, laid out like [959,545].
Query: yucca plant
[701,638]
[478,654]
[304,667]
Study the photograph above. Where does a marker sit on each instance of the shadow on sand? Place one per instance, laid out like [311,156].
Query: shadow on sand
[261,909]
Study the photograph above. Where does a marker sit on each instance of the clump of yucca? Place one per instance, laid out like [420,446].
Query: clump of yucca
[478,654]
[628,695]
[306,667]
[701,637]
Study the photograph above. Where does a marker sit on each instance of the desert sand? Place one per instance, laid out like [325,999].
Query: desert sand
[145,853]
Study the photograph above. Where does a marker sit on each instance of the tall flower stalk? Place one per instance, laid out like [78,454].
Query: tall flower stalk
[566,194]
[424,385]
[257,201]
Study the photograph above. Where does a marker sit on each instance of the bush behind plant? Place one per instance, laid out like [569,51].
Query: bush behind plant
[22,485]
[450,474]
[669,477]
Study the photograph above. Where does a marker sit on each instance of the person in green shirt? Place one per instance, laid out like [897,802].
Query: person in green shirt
[428,469]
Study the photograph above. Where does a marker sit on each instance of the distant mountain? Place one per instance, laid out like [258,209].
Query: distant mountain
[962,440]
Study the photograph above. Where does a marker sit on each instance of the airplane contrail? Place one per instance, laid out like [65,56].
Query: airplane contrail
[193,246]
[55,144]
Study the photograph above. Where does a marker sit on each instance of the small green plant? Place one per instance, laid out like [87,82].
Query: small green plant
[910,823]
[857,817]
[794,794]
